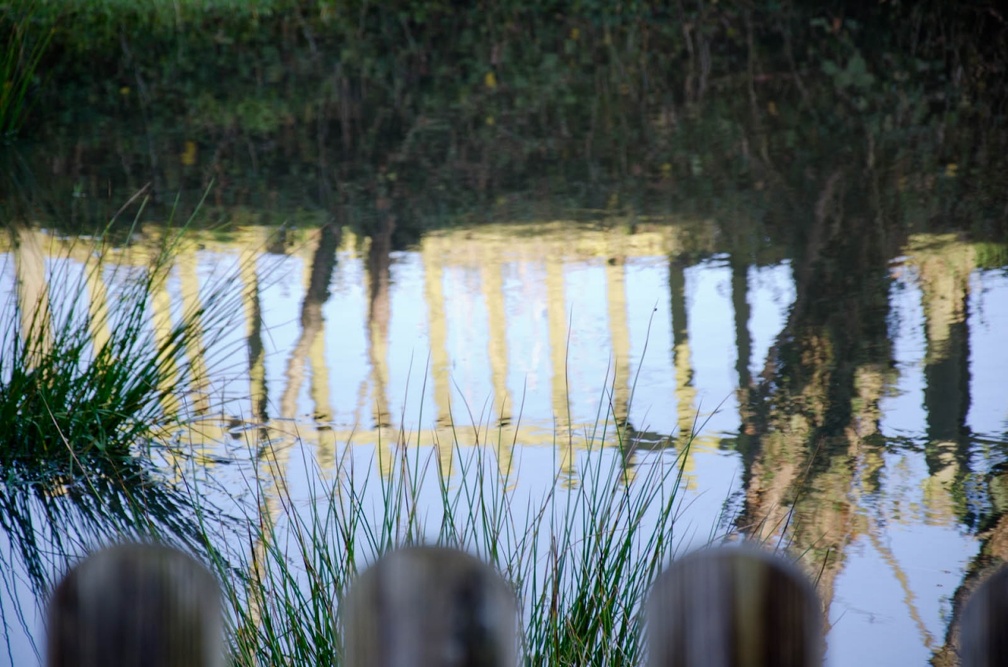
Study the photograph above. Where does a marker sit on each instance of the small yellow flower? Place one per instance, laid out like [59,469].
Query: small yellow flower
[575,33]
[189,154]
[490,80]
[951,169]
[124,91]
[490,120]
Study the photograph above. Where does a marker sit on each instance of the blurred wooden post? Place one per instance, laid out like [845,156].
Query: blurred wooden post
[430,607]
[734,607]
[136,605]
[983,633]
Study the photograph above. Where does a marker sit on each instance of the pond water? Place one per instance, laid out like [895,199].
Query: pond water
[856,413]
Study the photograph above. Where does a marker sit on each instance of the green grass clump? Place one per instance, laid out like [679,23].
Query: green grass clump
[65,392]
[581,558]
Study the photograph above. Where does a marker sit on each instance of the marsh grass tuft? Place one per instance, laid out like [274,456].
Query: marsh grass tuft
[581,557]
[78,377]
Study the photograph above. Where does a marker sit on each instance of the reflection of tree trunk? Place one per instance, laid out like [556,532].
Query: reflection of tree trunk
[257,364]
[740,308]
[993,554]
[274,460]
[817,398]
[317,293]
[681,361]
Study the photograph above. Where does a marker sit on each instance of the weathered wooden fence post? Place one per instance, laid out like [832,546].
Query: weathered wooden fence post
[733,607]
[983,632]
[430,607]
[136,605]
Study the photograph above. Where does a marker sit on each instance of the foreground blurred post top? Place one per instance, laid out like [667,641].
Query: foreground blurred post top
[734,607]
[983,639]
[136,605]
[430,607]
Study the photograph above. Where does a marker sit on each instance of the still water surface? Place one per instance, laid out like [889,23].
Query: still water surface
[536,334]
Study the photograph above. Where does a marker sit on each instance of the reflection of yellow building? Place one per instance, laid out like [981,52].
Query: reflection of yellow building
[944,265]
[32,288]
[487,249]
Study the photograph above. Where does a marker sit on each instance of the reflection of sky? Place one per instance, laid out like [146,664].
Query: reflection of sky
[589,349]
[711,321]
[346,342]
[408,344]
[529,370]
[903,406]
[771,293]
[988,310]
[648,306]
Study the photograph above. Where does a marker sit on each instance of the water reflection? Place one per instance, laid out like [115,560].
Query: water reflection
[52,513]
[834,394]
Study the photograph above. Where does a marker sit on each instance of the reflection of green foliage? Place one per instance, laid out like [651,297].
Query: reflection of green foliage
[325,101]
[24,43]
[991,255]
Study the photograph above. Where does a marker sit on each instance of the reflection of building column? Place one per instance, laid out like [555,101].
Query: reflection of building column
[326,453]
[437,322]
[493,296]
[556,315]
[681,362]
[320,272]
[256,358]
[619,334]
[97,301]
[944,265]
[32,291]
[189,287]
[161,321]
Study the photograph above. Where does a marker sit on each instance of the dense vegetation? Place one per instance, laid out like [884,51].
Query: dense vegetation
[416,108]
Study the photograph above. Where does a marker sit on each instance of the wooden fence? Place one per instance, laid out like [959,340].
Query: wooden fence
[134,605]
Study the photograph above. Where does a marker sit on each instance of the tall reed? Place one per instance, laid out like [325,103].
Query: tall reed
[581,558]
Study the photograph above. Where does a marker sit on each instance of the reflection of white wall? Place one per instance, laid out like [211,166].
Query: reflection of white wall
[902,407]
[281,292]
[771,293]
[590,356]
[648,301]
[408,344]
[468,341]
[713,350]
[528,342]
[345,315]
[988,332]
